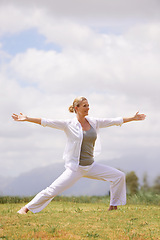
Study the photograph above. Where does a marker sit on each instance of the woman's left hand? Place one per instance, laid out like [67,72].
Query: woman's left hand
[138,116]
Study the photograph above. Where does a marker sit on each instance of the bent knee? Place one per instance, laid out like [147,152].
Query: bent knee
[122,175]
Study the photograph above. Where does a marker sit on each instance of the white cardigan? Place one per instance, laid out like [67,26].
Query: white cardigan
[74,132]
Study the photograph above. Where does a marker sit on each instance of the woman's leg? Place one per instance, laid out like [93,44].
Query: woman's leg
[116,179]
[42,199]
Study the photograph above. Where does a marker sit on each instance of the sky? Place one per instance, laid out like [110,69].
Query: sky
[53,51]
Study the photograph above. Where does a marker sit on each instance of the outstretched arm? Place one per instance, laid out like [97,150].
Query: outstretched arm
[136,117]
[23,118]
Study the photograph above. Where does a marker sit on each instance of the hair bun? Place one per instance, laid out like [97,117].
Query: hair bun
[71,109]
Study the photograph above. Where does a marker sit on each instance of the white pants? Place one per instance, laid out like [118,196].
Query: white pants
[69,177]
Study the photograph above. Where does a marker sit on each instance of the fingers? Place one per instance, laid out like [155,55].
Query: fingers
[142,116]
[14,116]
[20,117]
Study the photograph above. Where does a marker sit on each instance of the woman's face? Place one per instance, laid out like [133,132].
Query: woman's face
[83,108]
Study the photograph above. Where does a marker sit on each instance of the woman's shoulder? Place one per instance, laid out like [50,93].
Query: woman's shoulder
[92,121]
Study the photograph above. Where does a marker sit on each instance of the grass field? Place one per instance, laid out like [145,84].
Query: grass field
[65,219]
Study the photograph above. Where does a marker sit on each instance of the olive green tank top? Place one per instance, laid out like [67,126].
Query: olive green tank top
[87,148]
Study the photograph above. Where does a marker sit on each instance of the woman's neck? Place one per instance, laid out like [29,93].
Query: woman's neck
[84,123]
[81,119]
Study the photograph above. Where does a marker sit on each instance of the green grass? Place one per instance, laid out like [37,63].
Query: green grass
[140,198]
[82,218]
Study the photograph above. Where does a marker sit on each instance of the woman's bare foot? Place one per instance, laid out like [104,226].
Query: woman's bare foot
[112,208]
[23,210]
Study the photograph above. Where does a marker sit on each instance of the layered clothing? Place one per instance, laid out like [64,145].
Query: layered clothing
[74,133]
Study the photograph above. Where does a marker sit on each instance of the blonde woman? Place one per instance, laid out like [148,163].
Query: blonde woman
[82,146]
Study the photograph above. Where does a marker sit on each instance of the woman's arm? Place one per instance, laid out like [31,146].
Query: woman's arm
[23,118]
[136,117]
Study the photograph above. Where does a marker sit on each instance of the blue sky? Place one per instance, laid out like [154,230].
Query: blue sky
[50,53]
[21,41]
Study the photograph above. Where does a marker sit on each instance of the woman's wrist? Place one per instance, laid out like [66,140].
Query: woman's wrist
[130,119]
[33,120]
[27,119]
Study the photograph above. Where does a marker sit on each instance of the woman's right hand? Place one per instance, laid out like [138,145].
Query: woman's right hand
[20,117]
[23,118]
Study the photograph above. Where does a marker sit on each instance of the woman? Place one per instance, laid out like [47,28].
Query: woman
[79,153]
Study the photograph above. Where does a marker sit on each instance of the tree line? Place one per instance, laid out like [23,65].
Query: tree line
[133,186]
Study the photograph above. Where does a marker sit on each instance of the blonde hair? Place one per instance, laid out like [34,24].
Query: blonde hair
[77,101]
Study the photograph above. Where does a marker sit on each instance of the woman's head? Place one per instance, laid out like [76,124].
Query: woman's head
[76,103]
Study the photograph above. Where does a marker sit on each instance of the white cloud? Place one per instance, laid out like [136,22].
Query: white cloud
[123,63]
[16,22]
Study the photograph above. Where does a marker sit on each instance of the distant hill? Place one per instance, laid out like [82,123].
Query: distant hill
[32,182]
